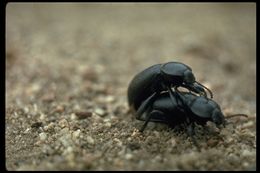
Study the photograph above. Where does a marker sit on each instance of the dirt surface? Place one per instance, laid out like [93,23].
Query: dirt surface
[68,67]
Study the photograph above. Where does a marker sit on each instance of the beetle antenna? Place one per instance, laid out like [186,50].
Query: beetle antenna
[211,95]
[236,115]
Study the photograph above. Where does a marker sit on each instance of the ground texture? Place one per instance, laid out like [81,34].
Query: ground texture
[68,67]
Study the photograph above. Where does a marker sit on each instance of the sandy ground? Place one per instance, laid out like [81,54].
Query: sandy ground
[68,67]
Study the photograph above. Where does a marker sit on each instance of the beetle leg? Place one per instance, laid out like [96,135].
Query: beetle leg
[178,95]
[155,112]
[236,115]
[173,95]
[211,95]
[191,133]
[145,105]
[179,98]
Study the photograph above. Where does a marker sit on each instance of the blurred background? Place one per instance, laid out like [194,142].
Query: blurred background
[217,40]
[77,51]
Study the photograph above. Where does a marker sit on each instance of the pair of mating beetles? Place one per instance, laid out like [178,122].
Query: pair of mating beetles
[154,96]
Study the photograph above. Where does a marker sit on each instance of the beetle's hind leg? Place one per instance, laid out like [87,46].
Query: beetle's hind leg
[191,133]
[150,115]
[145,106]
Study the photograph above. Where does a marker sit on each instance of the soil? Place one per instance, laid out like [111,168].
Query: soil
[68,67]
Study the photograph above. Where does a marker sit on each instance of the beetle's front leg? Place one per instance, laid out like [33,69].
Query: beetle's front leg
[172,94]
[179,97]
[177,93]
[199,85]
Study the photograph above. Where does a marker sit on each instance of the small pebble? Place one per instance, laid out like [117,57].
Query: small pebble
[90,140]
[97,118]
[129,156]
[212,142]
[100,111]
[230,140]
[106,120]
[38,143]
[225,132]
[149,139]
[156,134]
[16,115]
[64,131]
[59,109]
[68,150]
[172,142]
[36,125]
[119,142]
[73,116]
[35,107]
[43,136]
[26,131]
[248,125]
[49,127]
[109,99]
[134,146]
[247,153]
[66,140]
[245,164]
[76,134]
[48,97]
[42,116]
[88,159]
[135,132]
[33,89]
[89,73]
[107,124]
[63,123]
[83,115]
[26,110]
[57,128]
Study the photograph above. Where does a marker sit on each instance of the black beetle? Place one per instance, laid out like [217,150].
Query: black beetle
[146,86]
[192,109]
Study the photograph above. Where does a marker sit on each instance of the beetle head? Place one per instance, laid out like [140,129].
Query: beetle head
[188,77]
[207,108]
[218,117]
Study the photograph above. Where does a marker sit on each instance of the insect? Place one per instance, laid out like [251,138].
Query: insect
[193,109]
[147,85]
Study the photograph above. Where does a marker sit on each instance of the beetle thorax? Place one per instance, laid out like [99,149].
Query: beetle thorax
[175,73]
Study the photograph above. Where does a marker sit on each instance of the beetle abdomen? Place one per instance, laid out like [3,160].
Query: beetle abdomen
[143,85]
[171,109]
